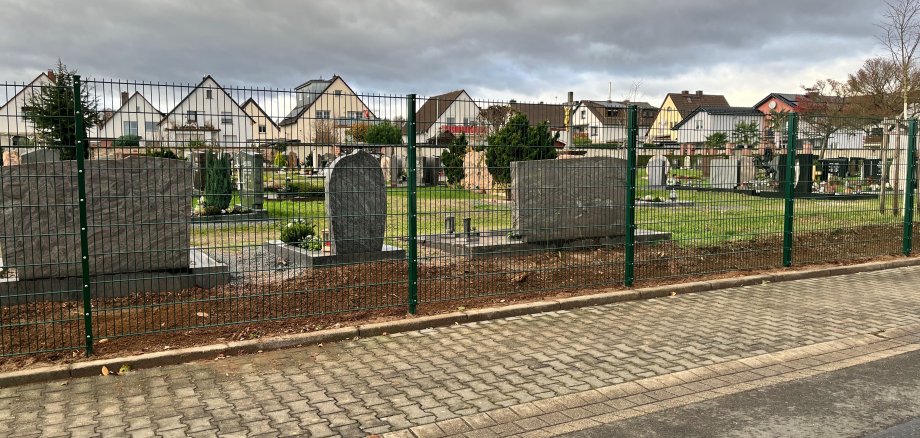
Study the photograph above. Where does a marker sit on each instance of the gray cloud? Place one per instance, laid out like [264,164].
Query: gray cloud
[499,49]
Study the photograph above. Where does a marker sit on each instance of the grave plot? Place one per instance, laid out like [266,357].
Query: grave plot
[356,211]
[138,230]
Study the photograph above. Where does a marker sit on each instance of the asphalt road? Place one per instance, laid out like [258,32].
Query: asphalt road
[879,399]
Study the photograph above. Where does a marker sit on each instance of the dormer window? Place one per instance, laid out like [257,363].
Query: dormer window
[208,94]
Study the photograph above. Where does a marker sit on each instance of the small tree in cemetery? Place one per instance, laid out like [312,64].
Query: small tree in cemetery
[383,133]
[452,159]
[51,111]
[358,132]
[218,186]
[746,134]
[518,141]
[325,133]
[280,159]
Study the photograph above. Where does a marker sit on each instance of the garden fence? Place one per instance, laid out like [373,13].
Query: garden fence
[161,209]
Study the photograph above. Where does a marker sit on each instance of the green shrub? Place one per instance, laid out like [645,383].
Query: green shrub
[280,160]
[126,141]
[162,153]
[297,230]
[218,186]
[518,141]
[311,243]
[452,160]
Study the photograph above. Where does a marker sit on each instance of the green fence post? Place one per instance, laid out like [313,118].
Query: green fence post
[789,195]
[80,136]
[910,183]
[412,251]
[632,134]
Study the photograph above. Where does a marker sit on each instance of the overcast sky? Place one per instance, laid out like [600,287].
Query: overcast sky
[528,50]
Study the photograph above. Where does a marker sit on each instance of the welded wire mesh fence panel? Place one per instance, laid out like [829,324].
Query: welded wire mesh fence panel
[709,196]
[851,188]
[515,212]
[40,255]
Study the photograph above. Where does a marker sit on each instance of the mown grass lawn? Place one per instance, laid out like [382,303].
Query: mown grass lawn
[715,217]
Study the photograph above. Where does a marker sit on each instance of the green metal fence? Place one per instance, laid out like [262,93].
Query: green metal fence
[189,212]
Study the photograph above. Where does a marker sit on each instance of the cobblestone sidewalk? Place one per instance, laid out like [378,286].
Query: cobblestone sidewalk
[447,379]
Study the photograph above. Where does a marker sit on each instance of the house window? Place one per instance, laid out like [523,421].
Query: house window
[208,94]
[584,114]
[594,131]
[355,115]
[338,92]
[225,118]
[322,114]
[150,127]
[192,117]
[699,124]
[466,121]
[451,121]
[262,129]
[129,128]
[229,139]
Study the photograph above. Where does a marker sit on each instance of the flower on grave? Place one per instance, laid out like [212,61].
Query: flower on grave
[223,212]
[671,181]
[201,200]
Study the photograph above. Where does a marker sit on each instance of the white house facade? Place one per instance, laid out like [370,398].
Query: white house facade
[207,114]
[15,130]
[136,116]
[705,121]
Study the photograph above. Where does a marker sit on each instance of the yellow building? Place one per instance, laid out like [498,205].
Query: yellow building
[675,108]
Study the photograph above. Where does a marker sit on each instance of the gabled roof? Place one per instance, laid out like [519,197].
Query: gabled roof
[190,93]
[23,89]
[599,109]
[686,102]
[554,114]
[790,99]
[433,109]
[252,101]
[125,104]
[721,111]
[312,90]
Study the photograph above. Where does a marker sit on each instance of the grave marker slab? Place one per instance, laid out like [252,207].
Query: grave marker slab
[725,173]
[356,204]
[658,168]
[568,199]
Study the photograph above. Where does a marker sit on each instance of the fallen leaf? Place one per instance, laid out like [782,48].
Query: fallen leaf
[125,368]
[673,294]
[103,341]
[203,314]
[105,370]
[461,308]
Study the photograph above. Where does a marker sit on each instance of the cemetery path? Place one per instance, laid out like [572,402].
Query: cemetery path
[538,375]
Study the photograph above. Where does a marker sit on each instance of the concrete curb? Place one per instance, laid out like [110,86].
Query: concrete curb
[209,352]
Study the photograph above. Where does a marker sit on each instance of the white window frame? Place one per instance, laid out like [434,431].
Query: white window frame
[323,114]
[128,126]
[226,118]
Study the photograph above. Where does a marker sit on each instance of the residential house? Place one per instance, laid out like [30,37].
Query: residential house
[705,121]
[209,114]
[445,116]
[552,114]
[812,133]
[674,108]
[136,116]
[324,110]
[605,121]
[264,129]
[15,130]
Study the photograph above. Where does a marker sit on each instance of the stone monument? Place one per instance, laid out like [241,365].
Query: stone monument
[658,168]
[569,199]
[725,173]
[250,185]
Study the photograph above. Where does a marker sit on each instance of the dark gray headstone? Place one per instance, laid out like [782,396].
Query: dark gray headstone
[251,185]
[40,156]
[569,199]
[356,203]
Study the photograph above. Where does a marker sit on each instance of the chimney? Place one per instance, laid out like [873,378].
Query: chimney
[699,92]
[124,97]
[51,76]
[685,92]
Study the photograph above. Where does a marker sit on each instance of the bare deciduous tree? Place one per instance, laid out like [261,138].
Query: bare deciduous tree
[900,34]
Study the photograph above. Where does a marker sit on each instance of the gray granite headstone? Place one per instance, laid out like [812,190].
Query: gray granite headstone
[356,204]
[724,173]
[251,185]
[569,199]
[130,229]
[658,168]
[43,155]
